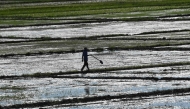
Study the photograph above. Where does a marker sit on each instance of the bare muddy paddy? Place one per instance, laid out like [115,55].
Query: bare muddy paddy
[94,29]
[19,65]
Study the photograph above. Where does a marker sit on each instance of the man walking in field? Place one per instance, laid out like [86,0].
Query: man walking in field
[85,59]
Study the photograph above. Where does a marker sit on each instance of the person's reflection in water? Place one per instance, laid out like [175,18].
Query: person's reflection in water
[87,90]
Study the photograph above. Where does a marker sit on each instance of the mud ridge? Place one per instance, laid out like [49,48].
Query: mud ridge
[133,78]
[168,16]
[156,32]
[103,37]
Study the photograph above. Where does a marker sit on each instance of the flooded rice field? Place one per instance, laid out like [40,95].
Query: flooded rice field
[139,52]
[94,29]
[145,78]
[19,65]
[97,85]
[156,102]
[34,90]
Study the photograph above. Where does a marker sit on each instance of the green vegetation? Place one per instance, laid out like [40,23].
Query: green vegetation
[33,1]
[12,88]
[125,9]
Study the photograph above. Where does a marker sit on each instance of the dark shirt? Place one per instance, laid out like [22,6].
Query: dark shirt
[85,55]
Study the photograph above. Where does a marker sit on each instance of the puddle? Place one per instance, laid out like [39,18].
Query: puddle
[178,46]
[68,31]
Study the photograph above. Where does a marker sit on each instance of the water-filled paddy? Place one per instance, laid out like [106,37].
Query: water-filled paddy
[19,65]
[148,69]
[35,90]
[168,101]
[81,30]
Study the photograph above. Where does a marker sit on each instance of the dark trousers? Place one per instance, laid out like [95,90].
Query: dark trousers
[85,64]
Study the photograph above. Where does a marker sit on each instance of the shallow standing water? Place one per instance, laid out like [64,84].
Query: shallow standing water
[73,61]
[33,90]
[78,30]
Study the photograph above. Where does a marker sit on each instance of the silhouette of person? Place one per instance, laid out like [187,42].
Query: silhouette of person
[85,58]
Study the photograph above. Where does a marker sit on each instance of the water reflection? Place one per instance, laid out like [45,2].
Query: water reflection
[87,90]
[95,29]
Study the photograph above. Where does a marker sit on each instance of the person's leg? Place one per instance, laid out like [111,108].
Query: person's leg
[87,65]
[83,67]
